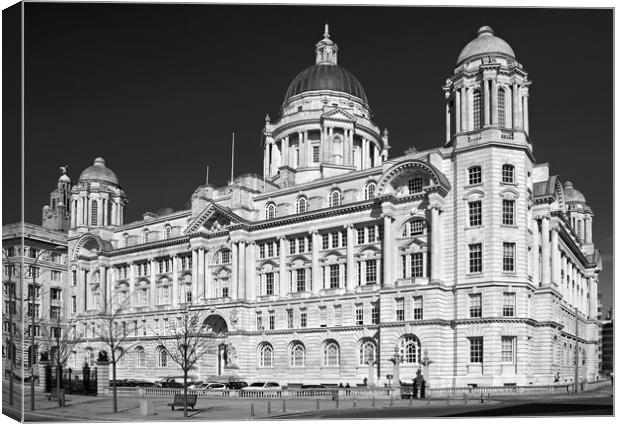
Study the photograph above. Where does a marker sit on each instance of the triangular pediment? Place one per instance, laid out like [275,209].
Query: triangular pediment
[213,219]
[338,115]
[417,241]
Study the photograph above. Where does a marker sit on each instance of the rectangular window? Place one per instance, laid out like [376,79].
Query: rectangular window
[475,350]
[301,280]
[325,241]
[508,174]
[302,245]
[338,315]
[415,185]
[269,283]
[316,154]
[508,349]
[418,307]
[259,321]
[303,319]
[74,277]
[359,314]
[224,292]
[55,293]
[371,271]
[475,175]
[371,234]
[400,309]
[360,235]
[477,103]
[323,316]
[334,276]
[508,212]
[374,313]
[508,260]
[289,318]
[55,313]
[475,213]
[343,239]
[261,251]
[475,305]
[292,247]
[475,257]
[73,304]
[55,275]
[270,250]
[508,309]
[404,259]
[417,264]
[144,326]
[272,320]
[226,256]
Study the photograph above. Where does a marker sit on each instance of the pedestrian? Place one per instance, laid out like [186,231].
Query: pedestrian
[348,391]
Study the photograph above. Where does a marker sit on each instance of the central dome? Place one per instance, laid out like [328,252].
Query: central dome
[485,43]
[98,171]
[326,76]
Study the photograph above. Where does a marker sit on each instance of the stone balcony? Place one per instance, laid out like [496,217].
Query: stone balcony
[491,134]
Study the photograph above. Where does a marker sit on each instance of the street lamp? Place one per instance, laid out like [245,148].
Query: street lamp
[31,294]
[11,353]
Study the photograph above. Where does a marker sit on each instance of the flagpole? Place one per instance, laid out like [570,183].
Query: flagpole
[207,174]
[232,158]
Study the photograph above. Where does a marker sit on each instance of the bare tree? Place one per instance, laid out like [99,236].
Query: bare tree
[110,332]
[186,340]
[65,337]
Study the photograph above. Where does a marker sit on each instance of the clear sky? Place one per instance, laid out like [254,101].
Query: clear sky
[157,90]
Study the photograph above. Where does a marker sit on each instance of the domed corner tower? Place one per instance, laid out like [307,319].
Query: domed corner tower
[487,95]
[325,126]
[579,215]
[56,215]
[97,200]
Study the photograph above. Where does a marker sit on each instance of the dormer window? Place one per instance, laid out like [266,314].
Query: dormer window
[270,211]
[335,198]
[369,191]
[145,236]
[302,204]
[167,231]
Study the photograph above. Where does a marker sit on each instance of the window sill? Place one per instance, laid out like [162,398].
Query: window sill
[473,274]
[477,227]
[508,226]
[506,183]
[509,273]
[468,186]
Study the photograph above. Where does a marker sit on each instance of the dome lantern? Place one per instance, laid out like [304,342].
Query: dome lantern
[326,50]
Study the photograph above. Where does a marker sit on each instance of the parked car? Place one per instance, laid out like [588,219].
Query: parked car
[236,385]
[193,385]
[261,388]
[214,386]
[170,383]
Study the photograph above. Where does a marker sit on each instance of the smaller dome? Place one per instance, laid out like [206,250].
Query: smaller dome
[98,171]
[64,178]
[485,43]
[572,195]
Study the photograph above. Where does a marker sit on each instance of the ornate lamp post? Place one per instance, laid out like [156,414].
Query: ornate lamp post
[31,295]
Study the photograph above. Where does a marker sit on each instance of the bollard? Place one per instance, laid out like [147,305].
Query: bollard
[283,405]
[481,398]
[391,400]
[448,400]
[373,401]
[428,400]
[355,403]
[488,396]
[465,398]
[268,407]
[251,410]
[337,403]
[410,400]
[318,406]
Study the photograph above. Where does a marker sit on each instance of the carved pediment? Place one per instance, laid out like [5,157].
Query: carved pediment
[213,219]
[339,115]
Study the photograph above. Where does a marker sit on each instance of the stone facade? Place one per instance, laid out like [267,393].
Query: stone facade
[468,261]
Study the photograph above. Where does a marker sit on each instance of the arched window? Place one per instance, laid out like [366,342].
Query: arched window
[367,352]
[140,357]
[265,356]
[331,354]
[223,257]
[302,204]
[335,198]
[89,357]
[298,355]
[162,357]
[501,107]
[145,236]
[270,211]
[369,191]
[508,173]
[167,231]
[477,110]
[94,210]
[409,349]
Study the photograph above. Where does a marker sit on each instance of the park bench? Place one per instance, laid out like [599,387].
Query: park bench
[179,400]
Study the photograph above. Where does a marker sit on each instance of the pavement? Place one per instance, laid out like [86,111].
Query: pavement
[97,408]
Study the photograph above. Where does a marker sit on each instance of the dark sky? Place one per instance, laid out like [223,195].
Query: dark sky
[157,90]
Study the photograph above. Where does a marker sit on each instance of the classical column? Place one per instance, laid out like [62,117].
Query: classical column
[242,271]
[435,243]
[283,273]
[535,252]
[209,292]
[308,149]
[266,167]
[200,280]
[194,270]
[588,237]
[285,152]
[80,211]
[316,276]
[250,276]
[464,115]
[487,103]
[103,288]
[470,108]
[73,213]
[593,289]
[545,251]
[153,283]
[132,283]
[447,121]
[100,209]
[350,260]
[555,258]
[494,111]
[105,212]
[516,123]
[387,250]
[234,277]
[526,116]
[457,110]
[564,284]
[175,281]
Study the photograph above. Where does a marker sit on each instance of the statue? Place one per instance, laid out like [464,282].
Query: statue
[233,318]
[231,356]
[63,169]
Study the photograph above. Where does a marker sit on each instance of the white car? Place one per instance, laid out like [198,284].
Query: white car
[262,386]
[212,386]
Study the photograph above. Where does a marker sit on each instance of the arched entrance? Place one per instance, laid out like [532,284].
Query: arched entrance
[214,325]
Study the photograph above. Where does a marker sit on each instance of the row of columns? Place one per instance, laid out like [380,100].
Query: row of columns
[515,111]
[81,208]
[549,264]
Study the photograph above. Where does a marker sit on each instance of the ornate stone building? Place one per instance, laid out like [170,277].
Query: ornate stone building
[468,260]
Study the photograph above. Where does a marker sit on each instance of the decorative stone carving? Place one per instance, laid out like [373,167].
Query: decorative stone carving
[233,318]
